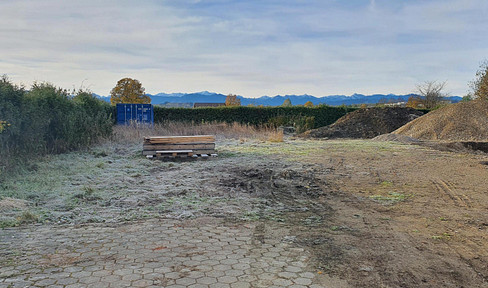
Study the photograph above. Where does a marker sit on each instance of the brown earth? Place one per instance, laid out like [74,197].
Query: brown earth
[465,121]
[383,215]
[409,217]
[366,123]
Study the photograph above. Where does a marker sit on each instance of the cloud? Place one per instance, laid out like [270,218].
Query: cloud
[245,47]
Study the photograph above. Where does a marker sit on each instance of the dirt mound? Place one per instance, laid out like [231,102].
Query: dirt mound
[366,123]
[466,121]
[396,138]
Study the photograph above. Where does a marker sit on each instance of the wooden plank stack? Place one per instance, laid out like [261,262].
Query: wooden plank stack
[179,146]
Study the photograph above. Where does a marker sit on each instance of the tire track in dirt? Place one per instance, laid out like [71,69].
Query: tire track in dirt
[450,190]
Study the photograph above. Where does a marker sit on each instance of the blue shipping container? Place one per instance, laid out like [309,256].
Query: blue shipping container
[140,113]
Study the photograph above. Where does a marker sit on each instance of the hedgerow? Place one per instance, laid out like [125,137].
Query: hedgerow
[47,119]
[300,117]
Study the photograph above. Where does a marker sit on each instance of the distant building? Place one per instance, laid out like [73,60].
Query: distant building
[200,105]
[393,104]
[176,105]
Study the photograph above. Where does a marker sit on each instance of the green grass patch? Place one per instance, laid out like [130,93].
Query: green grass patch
[391,198]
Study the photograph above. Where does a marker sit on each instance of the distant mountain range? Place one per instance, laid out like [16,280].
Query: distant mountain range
[333,100]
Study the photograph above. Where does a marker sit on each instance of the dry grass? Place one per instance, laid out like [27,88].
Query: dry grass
[8,203]
[135,133]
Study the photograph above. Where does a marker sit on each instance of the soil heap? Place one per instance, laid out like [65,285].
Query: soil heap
[464,121]
[366,123]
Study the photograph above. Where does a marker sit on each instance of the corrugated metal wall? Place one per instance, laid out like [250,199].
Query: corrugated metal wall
[141,113]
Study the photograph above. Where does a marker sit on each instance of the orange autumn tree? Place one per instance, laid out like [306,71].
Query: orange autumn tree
[415,102]
[129,90]
[232,100]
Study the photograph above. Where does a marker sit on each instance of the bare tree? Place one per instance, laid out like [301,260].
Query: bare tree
[432,92]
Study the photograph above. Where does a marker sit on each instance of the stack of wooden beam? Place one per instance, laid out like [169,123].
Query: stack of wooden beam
[179,146]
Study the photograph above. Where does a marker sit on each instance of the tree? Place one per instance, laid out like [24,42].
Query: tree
[480,84]
[286,103]
[467,98]
[129,90]
[308,104]
[232,100]
[432,93]
[415,102]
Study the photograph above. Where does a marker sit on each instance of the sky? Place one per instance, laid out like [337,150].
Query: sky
[250,48]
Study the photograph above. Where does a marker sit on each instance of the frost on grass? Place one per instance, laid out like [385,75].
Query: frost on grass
[114,182]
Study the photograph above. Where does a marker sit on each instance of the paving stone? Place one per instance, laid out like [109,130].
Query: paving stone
[234,272]
[90,280]
[131,277]
[302,281]
[152,253]
[227,279]
[282,282]
[308,275]
[185,281]
[141,283]
[76,285]
[207,280]
[298,286]
[293,269]
[66,281]
[287,275]
[240,285]
[45,282]
[219,285]
[110,278]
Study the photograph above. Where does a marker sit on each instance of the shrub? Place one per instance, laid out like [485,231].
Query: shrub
[47,119]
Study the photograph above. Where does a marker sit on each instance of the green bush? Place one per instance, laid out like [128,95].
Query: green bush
[302,118]
[47,119]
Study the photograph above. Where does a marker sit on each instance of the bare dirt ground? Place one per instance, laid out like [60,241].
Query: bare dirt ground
[371,214]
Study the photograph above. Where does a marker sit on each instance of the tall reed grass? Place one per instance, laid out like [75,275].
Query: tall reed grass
[134,133]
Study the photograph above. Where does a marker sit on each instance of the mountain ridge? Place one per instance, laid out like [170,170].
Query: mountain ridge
[332,100]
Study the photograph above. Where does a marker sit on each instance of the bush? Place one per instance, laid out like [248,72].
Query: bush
[47,119]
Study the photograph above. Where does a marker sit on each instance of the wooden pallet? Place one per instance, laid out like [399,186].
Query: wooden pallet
[185,146]
[179,139]
[182,156]
[161,147]
[194,151]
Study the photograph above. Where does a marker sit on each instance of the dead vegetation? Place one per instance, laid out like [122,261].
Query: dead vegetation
[135,133]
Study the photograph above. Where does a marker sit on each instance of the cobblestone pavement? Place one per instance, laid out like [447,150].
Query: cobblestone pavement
[152,253]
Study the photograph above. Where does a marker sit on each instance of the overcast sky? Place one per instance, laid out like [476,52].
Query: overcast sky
[250,48]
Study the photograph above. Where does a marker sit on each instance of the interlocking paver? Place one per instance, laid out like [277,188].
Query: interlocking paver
[185,281]
[302,281]
[207,280]
[153,253]
[227,279]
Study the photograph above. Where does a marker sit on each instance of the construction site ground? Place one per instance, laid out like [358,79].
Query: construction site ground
[298,213]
